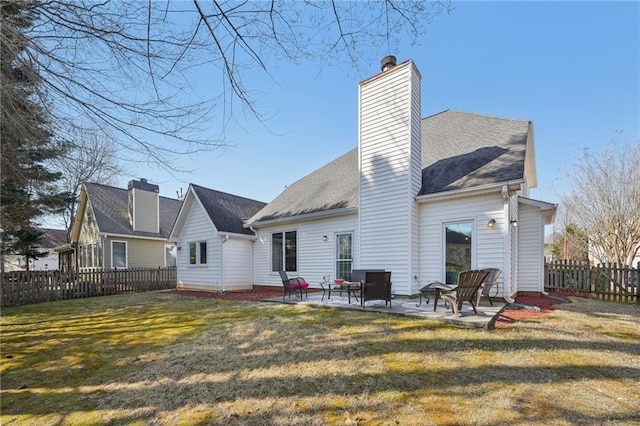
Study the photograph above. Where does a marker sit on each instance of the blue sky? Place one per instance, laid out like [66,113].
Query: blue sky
[572,68]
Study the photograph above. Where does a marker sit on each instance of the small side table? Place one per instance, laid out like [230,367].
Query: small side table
[435,288]
[326,288]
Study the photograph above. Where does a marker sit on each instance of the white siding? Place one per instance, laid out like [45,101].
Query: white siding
[237,264]
[530,253]
[315,257]
[488,243]
[390,173]
[197,227]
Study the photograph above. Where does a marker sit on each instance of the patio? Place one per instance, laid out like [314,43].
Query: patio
[405,306]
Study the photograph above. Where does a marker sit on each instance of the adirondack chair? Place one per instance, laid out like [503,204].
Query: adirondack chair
[489,282]
[469,283]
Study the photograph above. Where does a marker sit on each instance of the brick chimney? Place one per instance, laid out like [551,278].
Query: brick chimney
[390,166]
[144,203]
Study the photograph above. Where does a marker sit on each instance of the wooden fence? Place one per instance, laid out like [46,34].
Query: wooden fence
[21,288]
[607,282]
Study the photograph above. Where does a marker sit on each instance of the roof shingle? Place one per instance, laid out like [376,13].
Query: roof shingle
[459,150]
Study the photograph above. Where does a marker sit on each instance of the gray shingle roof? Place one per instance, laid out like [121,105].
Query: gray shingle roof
[227,211]
[52,238]
[110,207]
[462,150]
[333,186]
[459,150]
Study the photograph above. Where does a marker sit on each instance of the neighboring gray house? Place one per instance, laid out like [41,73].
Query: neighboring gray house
[422,198]
[50,239]
[124,228]
[214,247]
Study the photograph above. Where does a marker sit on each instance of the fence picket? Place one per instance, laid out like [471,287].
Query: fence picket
[608,281]
[25,287]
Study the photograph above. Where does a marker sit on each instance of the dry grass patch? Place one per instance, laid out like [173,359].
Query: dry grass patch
[164,359]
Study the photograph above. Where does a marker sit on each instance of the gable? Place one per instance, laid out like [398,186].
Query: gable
[224,212]
[110,209]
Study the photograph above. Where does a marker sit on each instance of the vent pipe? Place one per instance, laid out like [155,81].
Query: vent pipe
[388,62]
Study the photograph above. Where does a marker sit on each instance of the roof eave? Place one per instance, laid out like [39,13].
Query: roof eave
[465,192]
[302,217]
[137,237]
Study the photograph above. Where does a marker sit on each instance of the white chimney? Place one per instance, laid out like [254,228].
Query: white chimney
[390,166]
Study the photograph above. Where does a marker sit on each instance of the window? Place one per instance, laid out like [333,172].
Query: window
[170,254]
[198,253]
[344,256]
[284,251]
[99,254]
[119,254]
[203,252]
[458,249]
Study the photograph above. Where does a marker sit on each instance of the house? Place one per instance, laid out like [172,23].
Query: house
[422,198]
[215,250]
[49,240]
[119,228]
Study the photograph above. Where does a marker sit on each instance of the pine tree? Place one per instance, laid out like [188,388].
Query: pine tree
[27,191]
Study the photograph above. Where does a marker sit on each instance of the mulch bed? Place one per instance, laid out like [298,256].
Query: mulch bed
[508,316]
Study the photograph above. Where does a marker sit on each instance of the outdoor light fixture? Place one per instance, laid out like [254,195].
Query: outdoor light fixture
[325,238]
[491,223]
[514,223]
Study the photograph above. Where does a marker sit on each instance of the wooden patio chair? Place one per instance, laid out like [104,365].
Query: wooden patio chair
[490,281]
[469,283]
[293,285]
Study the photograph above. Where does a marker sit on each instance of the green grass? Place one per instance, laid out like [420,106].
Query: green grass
[164,359]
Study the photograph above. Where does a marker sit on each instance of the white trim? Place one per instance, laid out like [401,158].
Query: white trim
[139,237]
[465,192]
[335,251]
[474,244]
[198,263]
[126,253]
[302,217]
[235,236]
[284,254]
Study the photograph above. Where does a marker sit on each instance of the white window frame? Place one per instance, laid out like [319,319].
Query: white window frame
[336,258]
[198,262]
[126,254]
[444,243]
[284,250]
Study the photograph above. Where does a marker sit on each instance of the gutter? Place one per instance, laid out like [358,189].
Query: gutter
[304,216]
[139,237]
[463,192]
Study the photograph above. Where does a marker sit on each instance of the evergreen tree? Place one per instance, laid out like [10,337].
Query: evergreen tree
[27,189]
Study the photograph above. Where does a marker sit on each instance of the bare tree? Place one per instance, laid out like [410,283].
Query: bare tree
[604,202]
[89,158]
[128,66]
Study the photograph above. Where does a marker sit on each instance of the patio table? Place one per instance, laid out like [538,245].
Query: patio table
[351,287]
[436,288]
[327,286]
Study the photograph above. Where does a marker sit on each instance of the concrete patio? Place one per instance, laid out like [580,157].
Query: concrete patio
[406,306]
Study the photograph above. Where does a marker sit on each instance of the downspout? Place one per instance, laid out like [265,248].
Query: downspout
[255,233]
[223,290]
[507,277]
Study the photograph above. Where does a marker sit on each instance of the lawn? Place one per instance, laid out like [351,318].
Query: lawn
[160,358]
